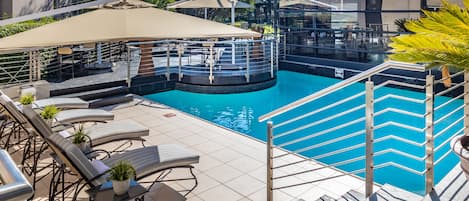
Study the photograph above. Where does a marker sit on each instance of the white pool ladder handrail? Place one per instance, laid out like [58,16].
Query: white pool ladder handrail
[345,83]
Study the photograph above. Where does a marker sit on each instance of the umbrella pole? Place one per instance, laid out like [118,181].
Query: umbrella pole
[99,54]
[233,47]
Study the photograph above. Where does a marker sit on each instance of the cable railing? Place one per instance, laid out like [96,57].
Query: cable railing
[208,60]
[48,64]
[368,131]
[451,118]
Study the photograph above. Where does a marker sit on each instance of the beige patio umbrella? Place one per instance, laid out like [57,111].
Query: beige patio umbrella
[122,25]
[286,3]
[135,3]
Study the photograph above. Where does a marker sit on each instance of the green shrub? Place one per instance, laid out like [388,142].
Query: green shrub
[122,171]
[79,136]
[27,99]
[49,112]
[12,29]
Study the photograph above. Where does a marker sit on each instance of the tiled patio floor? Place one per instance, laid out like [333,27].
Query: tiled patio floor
[232,166]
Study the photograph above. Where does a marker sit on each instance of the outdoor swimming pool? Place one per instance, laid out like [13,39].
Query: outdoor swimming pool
[241,111]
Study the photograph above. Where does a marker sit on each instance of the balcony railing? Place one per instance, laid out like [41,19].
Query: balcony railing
[365,112]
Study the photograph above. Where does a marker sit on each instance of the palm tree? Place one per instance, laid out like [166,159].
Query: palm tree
[441,39]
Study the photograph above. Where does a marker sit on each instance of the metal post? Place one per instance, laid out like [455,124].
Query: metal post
[247,62]
[129,79]
[429,129]
[277,51]
[233,51]
[285,47]
[466,101]
[168,62]
[369,110]
[31,66]
[110,52]
[271,59]
[38,64]
[270,155]
[180,49]
[210,77]
[205,13]
[99,53]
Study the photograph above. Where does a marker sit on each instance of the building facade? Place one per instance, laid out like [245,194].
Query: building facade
[355,31]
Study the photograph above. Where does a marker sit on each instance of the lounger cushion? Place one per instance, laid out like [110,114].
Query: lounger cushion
[83,115]
[116,130]
[149,160]
[63,103]
[113,131]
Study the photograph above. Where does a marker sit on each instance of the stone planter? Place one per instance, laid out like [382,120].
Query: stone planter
[463,154]
[121,187]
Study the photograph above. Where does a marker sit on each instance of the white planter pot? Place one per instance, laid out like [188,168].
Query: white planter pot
[120,187]
[83,147]
[463,154]
[25,106]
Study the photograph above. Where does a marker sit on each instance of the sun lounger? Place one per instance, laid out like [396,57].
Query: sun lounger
[146,161]
[62,103]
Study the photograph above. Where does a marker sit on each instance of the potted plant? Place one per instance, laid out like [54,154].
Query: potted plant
[120,176]
[26,100]
[80,139]
[49,113]
[460,146]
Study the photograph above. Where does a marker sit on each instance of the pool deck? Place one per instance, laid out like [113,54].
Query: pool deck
[233,166]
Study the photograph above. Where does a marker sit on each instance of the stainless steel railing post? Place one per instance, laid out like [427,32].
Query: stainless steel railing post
[247,61]
[466,101]
[210,77]
[180,52]
[369,110]
[168,62]
[272,59]
[270,194]
[285,47]
[129,59]
[429,129]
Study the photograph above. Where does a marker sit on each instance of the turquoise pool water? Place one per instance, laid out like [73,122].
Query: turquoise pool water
[241,111]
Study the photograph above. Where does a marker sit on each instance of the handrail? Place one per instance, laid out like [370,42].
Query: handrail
[356,78]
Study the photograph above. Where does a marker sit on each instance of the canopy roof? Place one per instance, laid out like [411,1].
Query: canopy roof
[122,25]
[207,4]
[286,3]
[134,3]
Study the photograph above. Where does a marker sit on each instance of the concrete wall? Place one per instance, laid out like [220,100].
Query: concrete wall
[25,7]
[437,3]
[5,8]
[388,18]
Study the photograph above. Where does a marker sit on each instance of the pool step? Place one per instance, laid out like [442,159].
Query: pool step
[385,193]
[104,96]
[98,93]
[352,195]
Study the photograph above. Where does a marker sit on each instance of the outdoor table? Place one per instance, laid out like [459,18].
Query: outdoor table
[106,193]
